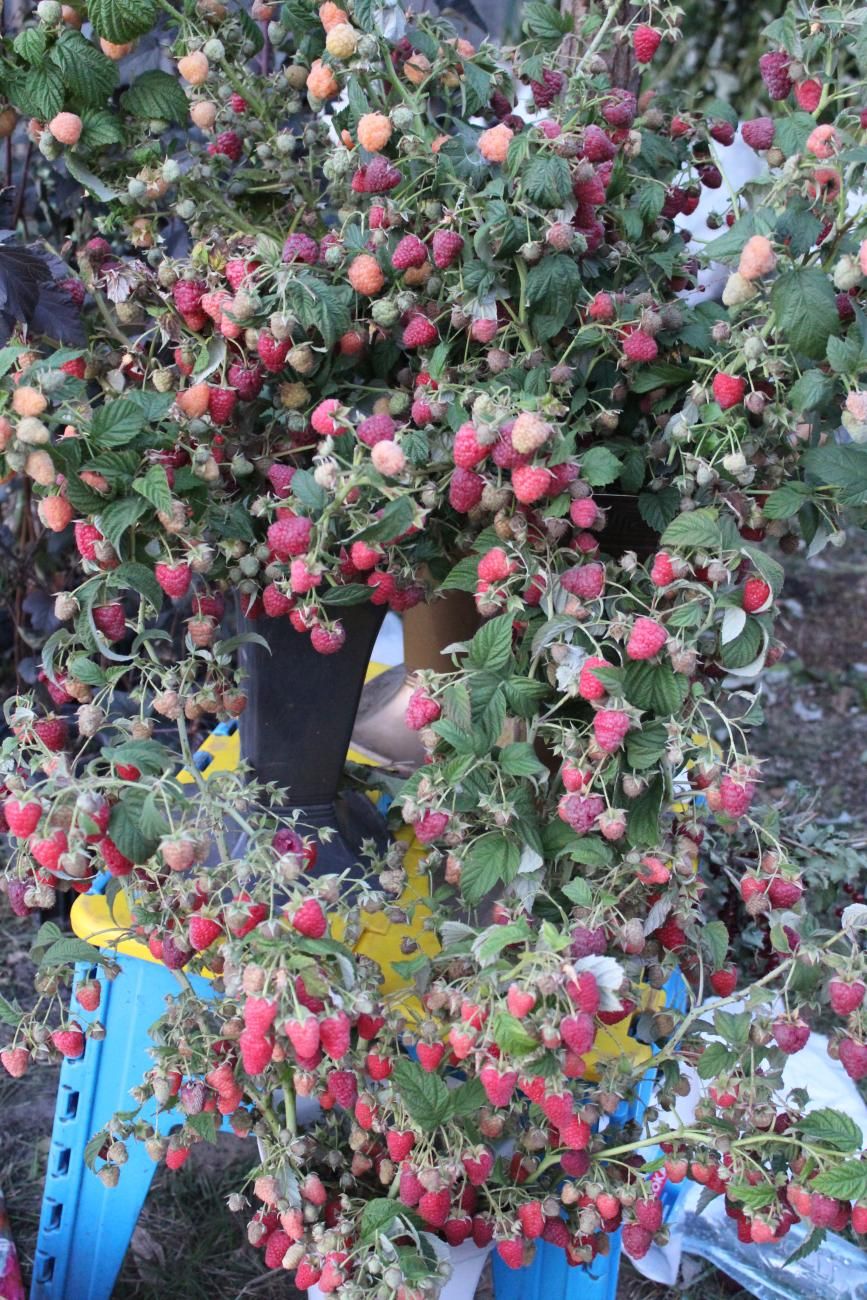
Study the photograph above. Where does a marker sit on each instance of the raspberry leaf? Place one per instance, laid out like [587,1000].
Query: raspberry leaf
[425,1095]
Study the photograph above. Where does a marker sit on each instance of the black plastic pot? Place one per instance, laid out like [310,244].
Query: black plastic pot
[296,728]
[625,529]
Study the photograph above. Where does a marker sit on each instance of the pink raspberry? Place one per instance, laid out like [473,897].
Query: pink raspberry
[808,94]
[495,565]
[290,537]
[646,639]
[188,295]
[589,686]
[638,346]
[581,811]
[467,451]
[662,572]
[409,252]
[274,602]
[322,420]
[587,581]
[280,477]
[728,390]
[758,133]
[227,143]
[619,108]
[376,428]
[465,490]
[645,42]
[610,727]
[301,248]
[328,640]
[530,483]
[421,412]
[447,246]
[247,381]
[421,710]
[601,308]
[377,177]
[584,513]
[736,795]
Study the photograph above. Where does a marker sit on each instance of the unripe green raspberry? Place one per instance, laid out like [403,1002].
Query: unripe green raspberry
[384,312]
[49,11]
[136,189]
[186,209]
[401,117]
[213,50]
[171,170]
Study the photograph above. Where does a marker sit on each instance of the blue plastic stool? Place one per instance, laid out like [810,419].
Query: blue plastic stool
[85,1227]
[550,1277]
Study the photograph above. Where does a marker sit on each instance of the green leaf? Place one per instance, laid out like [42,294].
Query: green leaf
[745,647]
[306,490]
[519,759]
[588,851]
[476,85]
[658,509]
[85,670]
[524,696]
[545,21]
[120,21]
[715,939]
[751,1197]
[30,44]
[68,951]
[553,287]
[204,1124]
[10,1013]
[424,1095]
[830,1128]
[644,748]
[87,72]
[468,1099]
[732,241]
[154,487]
[83,498]
[88,180]
[117,422]
[363,13]
[156,94]
[578,892]
[840,466]
[844,355]
[99,130]
[791,132]
[600,466]
[114,519]
[656,687]
[786,501]
[491,942]
[320,306]
[733,1027]
[38,93]
[352,593]
[490,860]
[378,1215]
[642,820]
[848,1182]
[697,530]
[808,1247]
[463,576]
[138,577]
[510,1035]
[491,647]
[662,375]
[812,390]
[124,830]
[716,1059]
[547,182]
[805,309]
[394,521]
[147,755]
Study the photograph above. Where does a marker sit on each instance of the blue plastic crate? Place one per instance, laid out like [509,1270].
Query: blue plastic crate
[550,1277]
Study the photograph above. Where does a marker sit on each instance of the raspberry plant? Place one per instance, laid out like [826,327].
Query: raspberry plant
[371,312]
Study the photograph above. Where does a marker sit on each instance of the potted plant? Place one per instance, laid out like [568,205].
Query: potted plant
[403,342]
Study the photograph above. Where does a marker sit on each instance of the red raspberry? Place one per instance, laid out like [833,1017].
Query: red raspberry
[255,1051]
[645,43]
[280,477]
[585,580]
[310,919]
[307,1274]
[598,146]
[22,818]
[638,346]
[334,1035]
[511,1252]
[343,1086]
[736,795]
[301,248]
[671,934]
[376,428]
[328,640]
[409,252]
[547,90]
[421,710]
[532,1219]
[610,727]
[434,1207]
[15,1061]
[495,565]
[53,732]
[48,852]
[278,1242]
[184,360]
[859,1215]
[272,353]
[86,536]
[646,638]
[363,556]
[70,1041]
[322,420]
[419,333]
[619,108]
[377,177]
[188,295]
[774,67]
[824,1210]
[447,246]
[846,997]
[758,133]
[290,537]
[116,862]
[757,595]
[808,94]
[530,483]
[467,451]
[74,290]
[203,931]
[228,145]
[247,381]
[237,270]
[428,828]
[662,571]
[465,490]
[456,1231]
[853,1058]
[649,1214]
[790,1035]
[421,412]
[723,133]
[724,981]
[499,1085]
[110,620]
[174,579]
[728,389]
[221,404]
[399,1142]
[785,893]
[585,513]
[77,367]
[556,1233]
[584,993]
[237,103]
